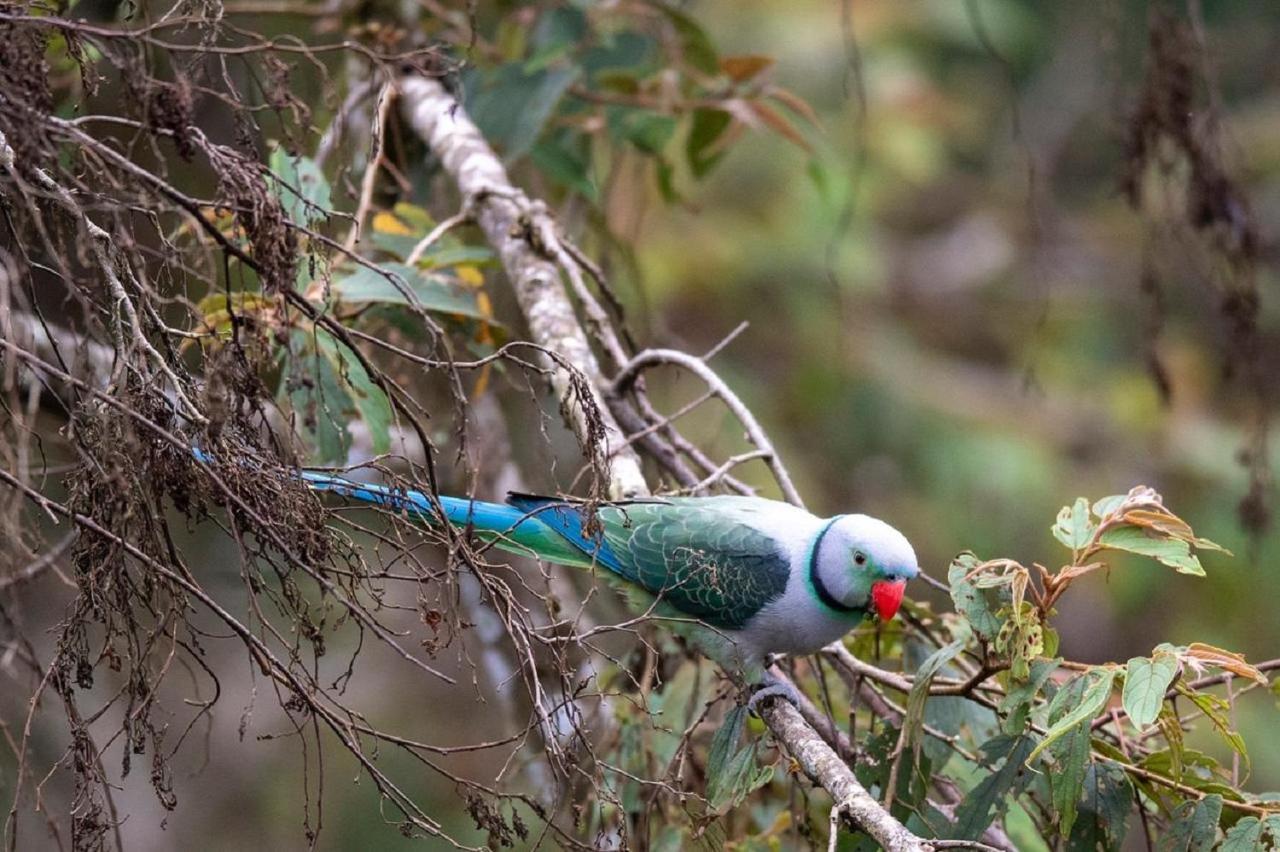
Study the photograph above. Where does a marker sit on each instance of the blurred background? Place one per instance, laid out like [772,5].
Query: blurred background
[965,307]
[957,319]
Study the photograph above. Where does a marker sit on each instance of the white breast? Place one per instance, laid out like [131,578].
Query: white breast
[797,622]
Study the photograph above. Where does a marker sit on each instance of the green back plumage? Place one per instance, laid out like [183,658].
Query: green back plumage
[699,555]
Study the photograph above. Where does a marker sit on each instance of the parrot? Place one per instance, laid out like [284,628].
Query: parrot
[741,578]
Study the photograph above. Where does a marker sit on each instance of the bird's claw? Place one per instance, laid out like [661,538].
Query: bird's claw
[773,688]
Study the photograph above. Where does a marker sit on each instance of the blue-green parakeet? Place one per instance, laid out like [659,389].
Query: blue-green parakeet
[742,577]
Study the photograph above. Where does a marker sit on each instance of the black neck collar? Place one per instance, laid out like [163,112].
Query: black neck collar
[824,594]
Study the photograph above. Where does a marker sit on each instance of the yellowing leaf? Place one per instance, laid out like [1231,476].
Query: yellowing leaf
[388,223]
[240,301]
[418,218]
[468,274]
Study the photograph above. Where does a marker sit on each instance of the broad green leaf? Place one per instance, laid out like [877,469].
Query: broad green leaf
[732,772]
[1173,552]
[1108,505]
[1019,700]
[511,106]
[443,256]
[1171,763]
[1070,756]
[1244,836]
[1216,710]
[648,132]
[974,813]
[432,292]
[558,31]
[695,46]
[319,400]
[970,601]
[1091,703]
[724,747]
[537,109]
[914,718]
[1194,827]
[700,148]
[370,400]
[1103,809]
[301,187]
[1145,683]
[627,51]
[565,167]
[1074,527]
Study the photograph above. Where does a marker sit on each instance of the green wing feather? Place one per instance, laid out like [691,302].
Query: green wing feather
[706,562]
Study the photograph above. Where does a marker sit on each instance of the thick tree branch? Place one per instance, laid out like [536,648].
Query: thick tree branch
[516,227]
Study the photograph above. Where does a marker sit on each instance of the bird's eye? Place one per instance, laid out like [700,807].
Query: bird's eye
[860,557]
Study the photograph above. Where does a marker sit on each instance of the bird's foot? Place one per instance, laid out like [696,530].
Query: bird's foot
[773,687]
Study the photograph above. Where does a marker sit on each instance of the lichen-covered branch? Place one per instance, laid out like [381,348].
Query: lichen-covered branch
[824,767]
[508,221]
[507,218]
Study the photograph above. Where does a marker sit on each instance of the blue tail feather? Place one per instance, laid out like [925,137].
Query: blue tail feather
[538,527]
[486,517]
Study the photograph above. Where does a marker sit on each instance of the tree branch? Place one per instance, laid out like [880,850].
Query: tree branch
[510,223]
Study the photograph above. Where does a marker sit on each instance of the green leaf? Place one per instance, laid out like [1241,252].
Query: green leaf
[1108,505]
[970,601]
[444,256]
[914,717]
[700,148]
[732,772]
[1074,527]
[1145,683]
[974,813]
[301,187]
[1019,700]
[694,43]
[511,105]
[1173,552]
[1091,703]
[1272,824]
[556,34]
[410,286]
[318,398]
[565,167]
[1194,827]
[370,400]
[1104,808]
[724,747]
[648,132]
[1021,638]
[537,110]
[1216,711]
[1244,836]
[1070,755]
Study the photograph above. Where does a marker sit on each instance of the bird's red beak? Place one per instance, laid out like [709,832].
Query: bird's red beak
[887,597]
